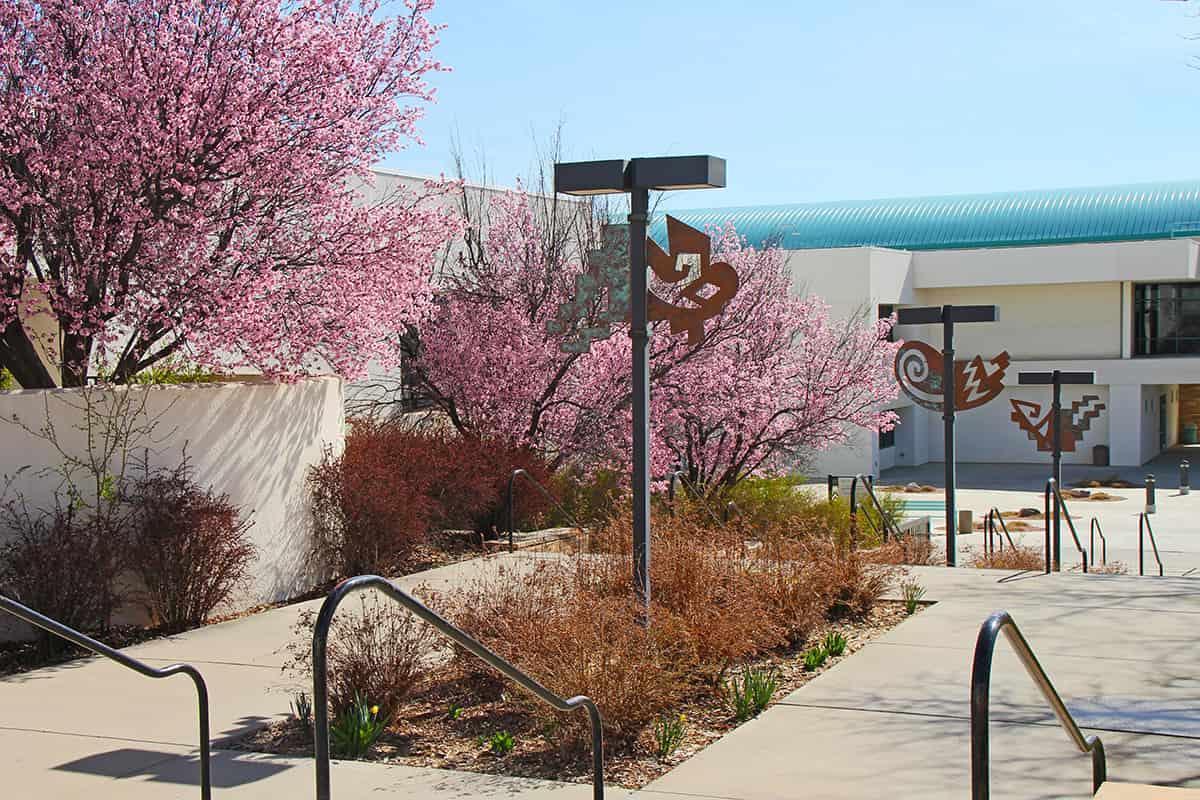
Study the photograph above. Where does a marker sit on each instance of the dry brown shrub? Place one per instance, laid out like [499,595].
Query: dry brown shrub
[911,550]
[718,599]
[1018,557]
[377,651]
[555,625]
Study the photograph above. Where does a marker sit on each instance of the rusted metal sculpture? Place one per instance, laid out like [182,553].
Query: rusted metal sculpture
[976,382]
[690,256]
[1074,422]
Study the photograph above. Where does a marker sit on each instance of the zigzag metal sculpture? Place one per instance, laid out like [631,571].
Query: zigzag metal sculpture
[608,270]
[1072,424]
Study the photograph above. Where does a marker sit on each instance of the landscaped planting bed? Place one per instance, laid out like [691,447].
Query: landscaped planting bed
[447,723]
[739,619]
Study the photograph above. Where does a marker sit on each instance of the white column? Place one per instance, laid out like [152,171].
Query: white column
[1125,424]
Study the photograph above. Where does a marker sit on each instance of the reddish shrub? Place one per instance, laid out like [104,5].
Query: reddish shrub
[393,484]
[370,508]
[62,563]
[187,544]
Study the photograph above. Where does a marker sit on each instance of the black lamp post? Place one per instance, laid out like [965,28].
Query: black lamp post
[1056,379]
[637,177]
[947,316]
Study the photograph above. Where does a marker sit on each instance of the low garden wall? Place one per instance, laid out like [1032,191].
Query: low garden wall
[253,441]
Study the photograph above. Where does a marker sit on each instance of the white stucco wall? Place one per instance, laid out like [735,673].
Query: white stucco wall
[252,441]
[1081,320]
[1154,260]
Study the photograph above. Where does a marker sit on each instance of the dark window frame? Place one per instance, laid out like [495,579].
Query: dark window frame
[1166,319]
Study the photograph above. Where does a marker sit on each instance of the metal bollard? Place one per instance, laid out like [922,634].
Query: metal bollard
[1185,478]
[1149,494]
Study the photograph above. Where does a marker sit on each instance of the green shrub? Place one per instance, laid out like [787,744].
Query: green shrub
[668,733]
[913,592]
[834,644]
[302,708]
[7,382]
[780,504]
[356,729]
[814,658]
[750,692]
[501,743]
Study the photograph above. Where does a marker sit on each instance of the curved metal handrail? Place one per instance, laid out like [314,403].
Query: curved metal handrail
[990,520]
[99,648]
[462,639]
[1061,506]
[682,477]
[1096,529]
[510,503]
[1144,527]
[883,520]
[981,680]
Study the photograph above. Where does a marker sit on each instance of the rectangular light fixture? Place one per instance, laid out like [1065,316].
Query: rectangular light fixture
[922,315]
[931,315]
[590,177]
[678,172]
[1047,378]
[615,176]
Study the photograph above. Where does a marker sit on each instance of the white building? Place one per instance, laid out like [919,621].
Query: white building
[1098,279]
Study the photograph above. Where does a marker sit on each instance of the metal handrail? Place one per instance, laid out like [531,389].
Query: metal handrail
[463,640]
[990,530]
[868,485]
[99,648]
[510,503]
[1145,527]
[1061,506]
[1096,529]
[981,680]
[682,477]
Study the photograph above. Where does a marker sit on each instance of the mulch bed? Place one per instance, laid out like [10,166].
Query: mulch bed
[425,735]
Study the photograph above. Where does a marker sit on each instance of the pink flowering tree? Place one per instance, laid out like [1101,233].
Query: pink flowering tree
[178,179]
[774,380]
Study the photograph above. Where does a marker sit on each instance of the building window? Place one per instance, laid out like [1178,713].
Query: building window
[887,439]
[885,311]
[1166,319]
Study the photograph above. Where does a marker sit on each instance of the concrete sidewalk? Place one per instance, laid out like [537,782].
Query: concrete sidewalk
[893,721]
[92,729]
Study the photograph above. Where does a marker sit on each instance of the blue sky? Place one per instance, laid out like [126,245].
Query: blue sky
[826,100]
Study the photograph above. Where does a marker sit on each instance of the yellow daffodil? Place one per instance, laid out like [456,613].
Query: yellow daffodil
[374,711]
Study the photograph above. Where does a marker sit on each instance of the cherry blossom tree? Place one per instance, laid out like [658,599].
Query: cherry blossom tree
[182,178]
[774,380]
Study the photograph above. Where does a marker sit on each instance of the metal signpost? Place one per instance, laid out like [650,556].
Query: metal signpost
[947,315]
[1056,379]
[636,177]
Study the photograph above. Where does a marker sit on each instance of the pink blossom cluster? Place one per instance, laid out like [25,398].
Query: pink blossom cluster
[775,379]
[177,176]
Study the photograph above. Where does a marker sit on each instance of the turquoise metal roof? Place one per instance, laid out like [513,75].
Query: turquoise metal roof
[1004,219]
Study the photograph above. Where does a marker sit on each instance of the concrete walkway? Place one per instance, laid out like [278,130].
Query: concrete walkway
[94,730]
[891,721]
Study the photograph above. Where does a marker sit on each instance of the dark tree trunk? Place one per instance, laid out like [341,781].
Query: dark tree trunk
[77,351]
[20,357]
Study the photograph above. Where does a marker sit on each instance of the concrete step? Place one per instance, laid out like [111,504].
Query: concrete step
[1144,791]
